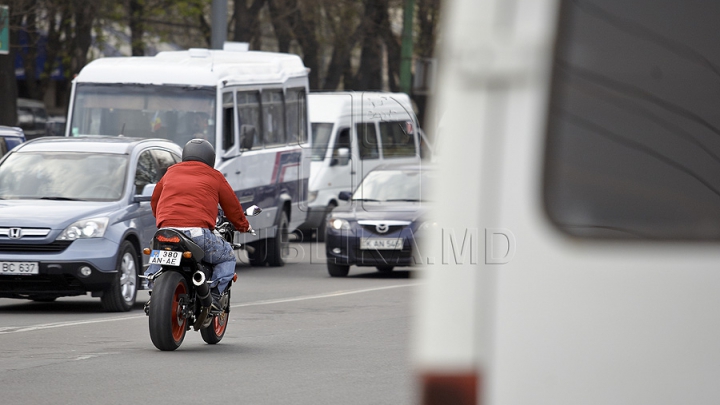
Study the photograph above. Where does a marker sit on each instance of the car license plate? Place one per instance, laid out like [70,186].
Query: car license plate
[21,268]
[165,257]
[381,244]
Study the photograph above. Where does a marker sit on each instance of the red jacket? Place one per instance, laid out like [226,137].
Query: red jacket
[187,196]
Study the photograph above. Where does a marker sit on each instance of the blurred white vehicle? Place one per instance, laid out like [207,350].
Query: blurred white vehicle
[576,258]
[353,133]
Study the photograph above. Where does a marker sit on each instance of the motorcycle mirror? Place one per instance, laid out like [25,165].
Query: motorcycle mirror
[253,210]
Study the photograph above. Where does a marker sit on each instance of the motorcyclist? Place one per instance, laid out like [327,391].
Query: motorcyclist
[187,197]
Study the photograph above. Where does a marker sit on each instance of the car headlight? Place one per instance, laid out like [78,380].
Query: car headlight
[312,196]
[86,228]
[338,224]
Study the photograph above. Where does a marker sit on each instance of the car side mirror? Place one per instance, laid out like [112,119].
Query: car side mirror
[146,195]
[253,211]
[345,195]
[341,158]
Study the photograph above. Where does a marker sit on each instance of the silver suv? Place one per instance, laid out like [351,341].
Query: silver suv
[70,219]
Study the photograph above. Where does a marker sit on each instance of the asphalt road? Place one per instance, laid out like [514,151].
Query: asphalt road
[296,336]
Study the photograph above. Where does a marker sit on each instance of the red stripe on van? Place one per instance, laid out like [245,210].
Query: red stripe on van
[450,388]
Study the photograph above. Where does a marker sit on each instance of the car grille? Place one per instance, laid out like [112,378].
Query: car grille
[383,257]
[390,229]
[53,247]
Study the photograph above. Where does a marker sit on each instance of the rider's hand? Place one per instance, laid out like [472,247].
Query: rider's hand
[249,230]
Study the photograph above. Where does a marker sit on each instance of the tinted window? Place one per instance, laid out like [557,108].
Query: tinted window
[633,143]
[273,118]
[164,159]
[147,171]
[320,139]
[228,136]
[397,139]
[296,113]
[367,141]
[248,109]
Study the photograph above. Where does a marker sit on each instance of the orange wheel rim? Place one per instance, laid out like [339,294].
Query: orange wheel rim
[220,323]
[178,322]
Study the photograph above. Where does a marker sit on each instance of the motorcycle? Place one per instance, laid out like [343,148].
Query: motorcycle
[180,299]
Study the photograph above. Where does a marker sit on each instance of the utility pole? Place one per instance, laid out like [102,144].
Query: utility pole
[407,47]
[219,24]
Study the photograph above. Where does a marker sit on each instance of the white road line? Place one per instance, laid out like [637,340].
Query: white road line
[15,329]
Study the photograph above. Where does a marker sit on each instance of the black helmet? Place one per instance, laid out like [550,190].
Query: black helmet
[199,150]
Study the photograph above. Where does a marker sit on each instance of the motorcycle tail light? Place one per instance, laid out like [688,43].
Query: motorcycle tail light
[173,239]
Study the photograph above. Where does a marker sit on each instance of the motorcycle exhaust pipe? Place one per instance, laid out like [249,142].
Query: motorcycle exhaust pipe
[203,291]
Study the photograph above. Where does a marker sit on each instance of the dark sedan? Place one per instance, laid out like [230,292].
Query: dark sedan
[380,225]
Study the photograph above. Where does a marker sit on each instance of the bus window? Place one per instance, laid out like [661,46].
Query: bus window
[248,112]
[273,118]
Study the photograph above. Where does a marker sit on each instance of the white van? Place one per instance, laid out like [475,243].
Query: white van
[576,258]
[252,106]
[352,133]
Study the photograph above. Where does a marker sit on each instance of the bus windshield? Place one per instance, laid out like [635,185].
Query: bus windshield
[177,113]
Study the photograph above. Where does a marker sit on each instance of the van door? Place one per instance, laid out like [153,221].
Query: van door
[368,149]
[342,165]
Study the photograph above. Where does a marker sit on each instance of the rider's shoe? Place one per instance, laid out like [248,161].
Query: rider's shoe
[216,296]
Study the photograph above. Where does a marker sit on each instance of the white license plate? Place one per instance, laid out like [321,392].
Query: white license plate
[165,257]
[381,244]
[21,268]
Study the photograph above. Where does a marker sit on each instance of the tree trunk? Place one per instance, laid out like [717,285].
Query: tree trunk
[369,74]
[246,26]
[8,90]
[136,13]
[29,52]
[278,16]
[394,51]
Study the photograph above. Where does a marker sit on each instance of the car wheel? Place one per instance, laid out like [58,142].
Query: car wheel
[338,270]
[385,269]
[258,256]
[120,296]
[278,246]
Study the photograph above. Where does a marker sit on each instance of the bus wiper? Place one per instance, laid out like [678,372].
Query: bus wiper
[404,199]
[365,199]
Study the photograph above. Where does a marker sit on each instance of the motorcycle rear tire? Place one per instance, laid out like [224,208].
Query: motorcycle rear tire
[214,333]
[167,325]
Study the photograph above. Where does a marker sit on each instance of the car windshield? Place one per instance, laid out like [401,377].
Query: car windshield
[320,139]
[393,185]
[177,113]
[63,176]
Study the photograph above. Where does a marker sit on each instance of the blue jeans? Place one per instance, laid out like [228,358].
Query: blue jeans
[218,252]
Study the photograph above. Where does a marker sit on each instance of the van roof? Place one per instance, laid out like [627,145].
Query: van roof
[198,67]
[328,107]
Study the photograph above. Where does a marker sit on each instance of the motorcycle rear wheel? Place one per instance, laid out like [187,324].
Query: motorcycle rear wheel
[167,324]
[214,333]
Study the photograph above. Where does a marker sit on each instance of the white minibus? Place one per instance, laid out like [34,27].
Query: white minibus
[353,133]
[576,257]
[252,106]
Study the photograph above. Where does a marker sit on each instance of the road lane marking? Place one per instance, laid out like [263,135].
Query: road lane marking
[15,329]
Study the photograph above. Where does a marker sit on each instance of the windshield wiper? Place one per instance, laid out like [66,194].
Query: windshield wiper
[404,199]
[365,199]
[60,198]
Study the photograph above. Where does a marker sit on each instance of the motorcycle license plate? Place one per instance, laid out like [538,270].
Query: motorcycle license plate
[21,268]
[165,257]
[381,244]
